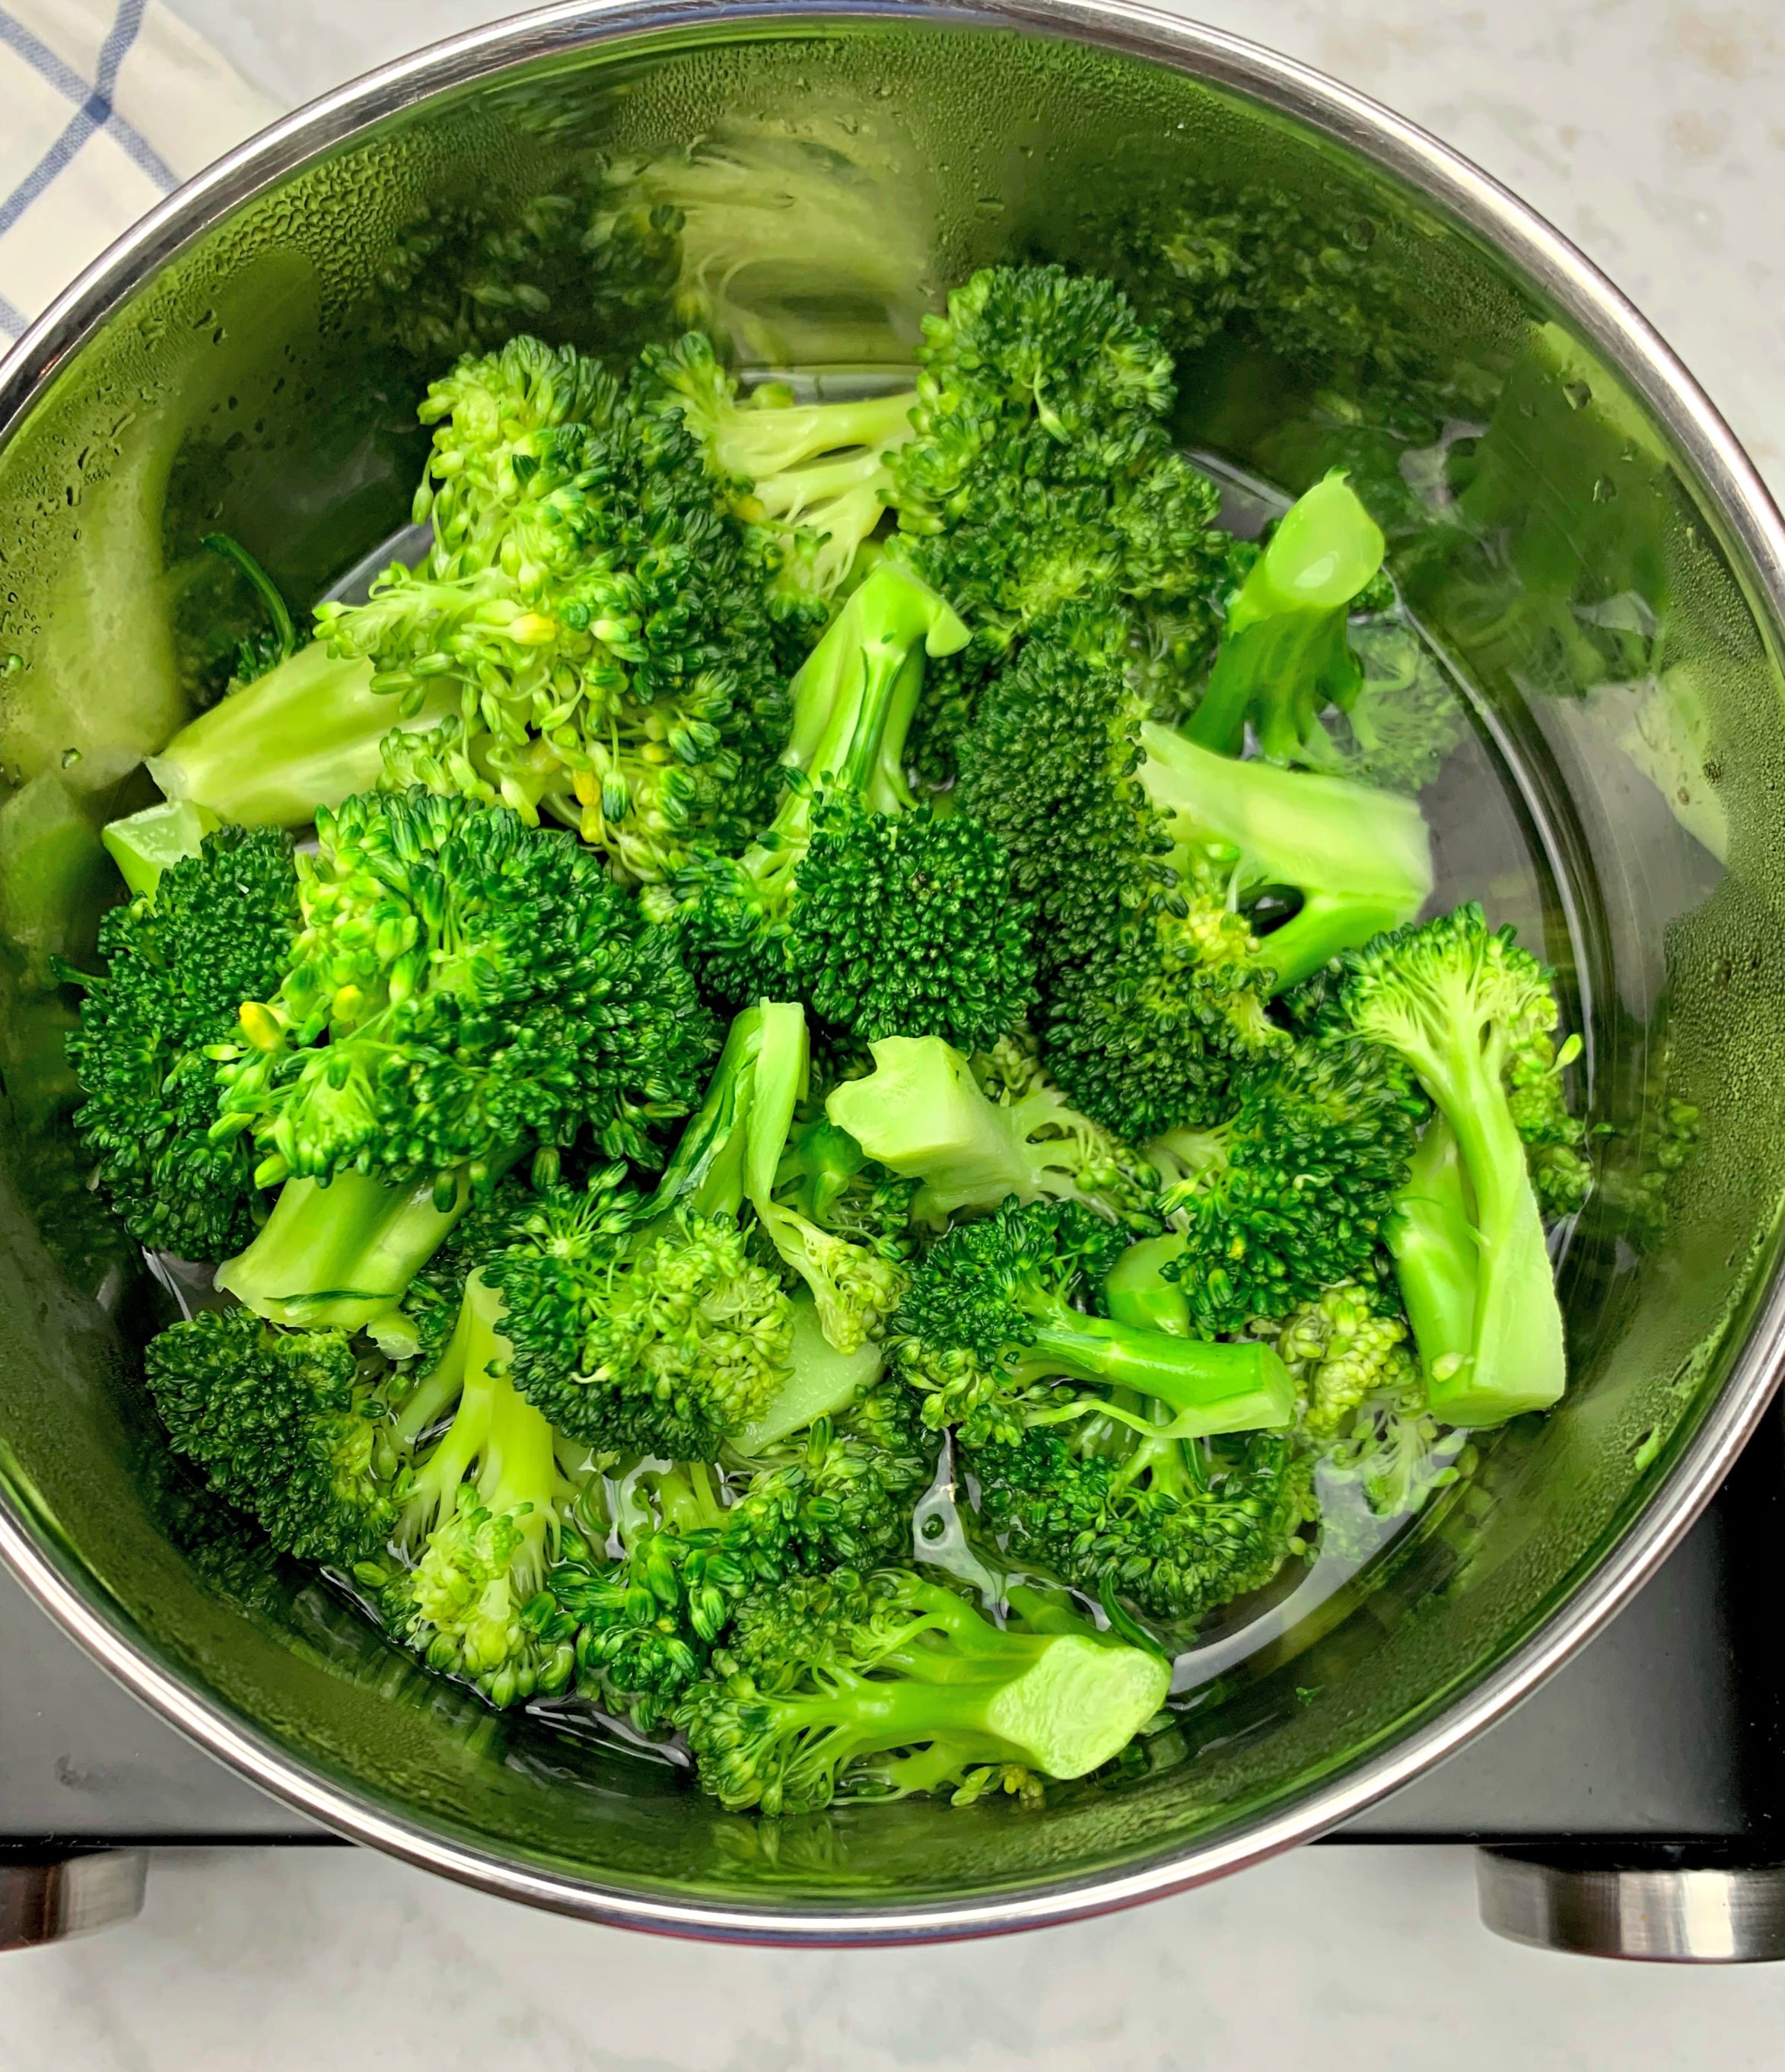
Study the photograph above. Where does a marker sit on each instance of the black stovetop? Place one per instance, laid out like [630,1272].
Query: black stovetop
[1667,1732]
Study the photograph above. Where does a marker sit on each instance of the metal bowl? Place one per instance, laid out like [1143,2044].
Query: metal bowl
[1569,519]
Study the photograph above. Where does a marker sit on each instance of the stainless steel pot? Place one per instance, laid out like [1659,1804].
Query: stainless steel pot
[1575,526]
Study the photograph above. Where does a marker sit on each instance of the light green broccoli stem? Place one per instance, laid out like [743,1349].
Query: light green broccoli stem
[1283,655]
[1432,1239]
[148,843]
[306,734]
[1361,859]
[1062,1703]
[819,1383]
[855,694]
[496,1440]
[1137,1292]
[768,437]
[923,1114]
[1513,1358]
[341,1252]
[1210,1386]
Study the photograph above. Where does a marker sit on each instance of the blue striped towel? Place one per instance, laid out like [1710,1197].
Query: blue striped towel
[106,105]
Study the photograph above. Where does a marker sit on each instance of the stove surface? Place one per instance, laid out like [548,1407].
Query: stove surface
[1668,1731]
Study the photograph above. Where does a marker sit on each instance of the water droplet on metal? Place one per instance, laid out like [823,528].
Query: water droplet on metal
[1577,394]
[1604,490]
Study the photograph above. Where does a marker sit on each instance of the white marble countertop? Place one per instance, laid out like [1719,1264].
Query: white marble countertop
[1652,133]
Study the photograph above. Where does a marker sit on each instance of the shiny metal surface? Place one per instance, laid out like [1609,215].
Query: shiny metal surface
[49,1900]
[1739,510]
[1707,1915]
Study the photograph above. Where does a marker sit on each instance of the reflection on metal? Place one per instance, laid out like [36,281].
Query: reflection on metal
[1659,1914]
[49,1901]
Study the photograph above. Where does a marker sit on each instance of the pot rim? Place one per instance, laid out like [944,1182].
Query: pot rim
[1600,313]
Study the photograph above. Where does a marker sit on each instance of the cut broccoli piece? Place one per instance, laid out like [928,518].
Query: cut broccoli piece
[989,1331]
[1153,984]
[289,1425]
[1459,1003]
[479,984]
[825,1682]
[922,1112]
[1288,1194]
[1284,656]
[1176,1527]
[218,931]
[1359,861]
[888,919]
[600,619]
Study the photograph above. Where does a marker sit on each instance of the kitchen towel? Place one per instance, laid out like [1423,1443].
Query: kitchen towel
[105,106]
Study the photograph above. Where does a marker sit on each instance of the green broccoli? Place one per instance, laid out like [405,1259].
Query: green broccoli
[814,476]
[1153,983]
[1359,861]
[1343,1347]
[480,1522]
[886,918]
[1290,1192]
[878,1686]
[1403,721]
[1175,1525]
[291,1426]
[462,982]
[1459,1003]
[217,929]
[922,1112]
[1284,655]
[600,619]
[989,1331]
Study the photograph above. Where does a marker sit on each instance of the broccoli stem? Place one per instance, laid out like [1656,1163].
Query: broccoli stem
[1211,1386]
[756,442]
[341,1252]
[855,694]
[1361,859]
[820,1382]
[146,843]
[1284,656]
[304,735]
[1060,1703]
[1432,1238]
[1138,1293]
[1517,1360]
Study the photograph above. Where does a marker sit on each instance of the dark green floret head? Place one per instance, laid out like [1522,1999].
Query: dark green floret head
[289,1425]
[217,931]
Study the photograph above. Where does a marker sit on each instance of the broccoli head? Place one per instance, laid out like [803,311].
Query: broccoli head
[873,1687]
[289,1425]
[462,982]
[1291,1192]
[217,931]
[989,1331]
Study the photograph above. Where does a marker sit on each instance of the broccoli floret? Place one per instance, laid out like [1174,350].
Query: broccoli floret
[888,919]
[988,1327]
[600,619]
[462,982]
[1290,1192]
[874,1687]
[1284,656]
[1459,1002]
[1040,472]
[655,1341]
[922,1112]
[1359,861]
[1553,1137]
[480,1522]
[217,930]
[1175,1526]
[815,475]
[1343,1347]
[289,1425]
[1153,984]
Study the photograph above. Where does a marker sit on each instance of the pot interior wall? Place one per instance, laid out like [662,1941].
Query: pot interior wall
[810,197]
